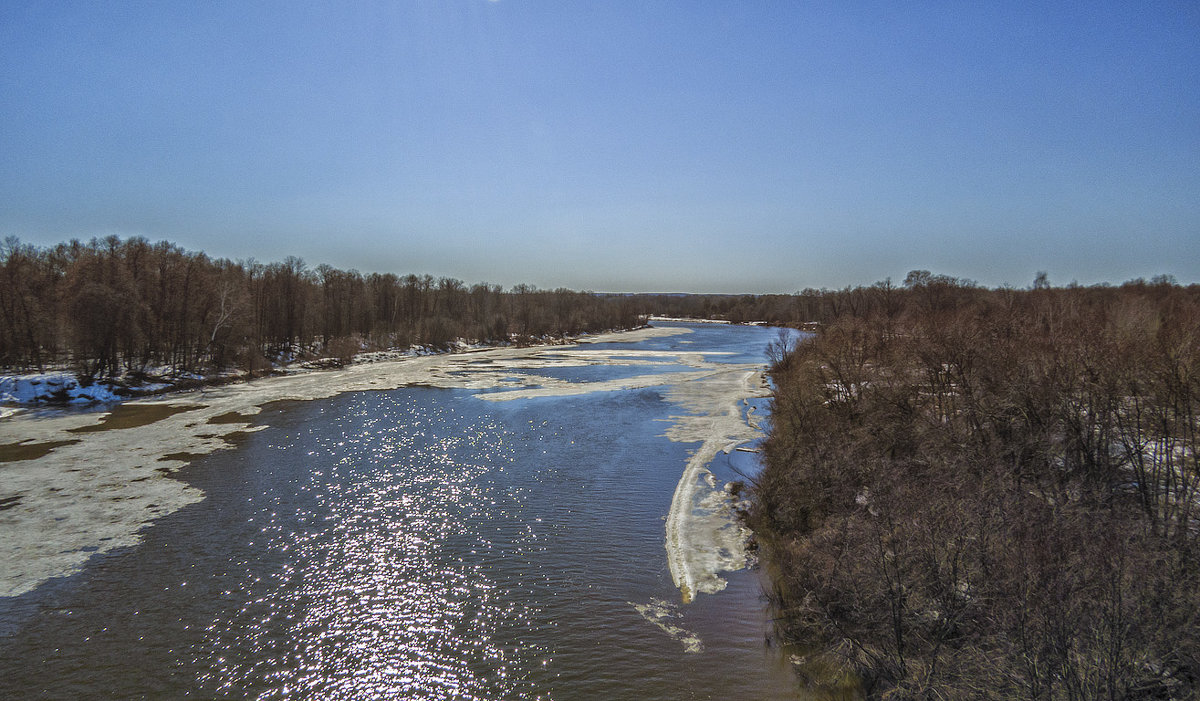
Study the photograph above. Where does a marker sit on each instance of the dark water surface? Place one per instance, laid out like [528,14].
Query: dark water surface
[418,543]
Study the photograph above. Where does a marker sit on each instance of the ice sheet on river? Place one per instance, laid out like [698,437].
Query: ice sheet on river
[79,484]
[703,536]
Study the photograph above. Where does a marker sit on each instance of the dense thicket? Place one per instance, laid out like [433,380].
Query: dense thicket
[110,306]
[993,493]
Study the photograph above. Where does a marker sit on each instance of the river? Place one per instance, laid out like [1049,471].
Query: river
[494,540]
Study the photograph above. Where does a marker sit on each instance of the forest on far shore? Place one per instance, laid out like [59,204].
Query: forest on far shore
[991,494]
[111,306]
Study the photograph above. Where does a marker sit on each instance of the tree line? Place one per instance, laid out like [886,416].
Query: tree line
[808,306]
[992,494]
[112,306]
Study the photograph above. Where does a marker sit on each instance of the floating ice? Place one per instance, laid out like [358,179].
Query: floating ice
[659,613]
[704,537]
[94,490]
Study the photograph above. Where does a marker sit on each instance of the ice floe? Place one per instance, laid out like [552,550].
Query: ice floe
[78,484]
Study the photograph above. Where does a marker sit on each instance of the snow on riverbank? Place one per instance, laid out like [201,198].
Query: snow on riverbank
[681,320]
[52,387]
[59,387]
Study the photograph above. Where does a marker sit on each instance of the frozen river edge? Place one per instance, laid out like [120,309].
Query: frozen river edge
[99,484]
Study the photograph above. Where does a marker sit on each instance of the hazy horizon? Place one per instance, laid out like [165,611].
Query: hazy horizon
[616,147]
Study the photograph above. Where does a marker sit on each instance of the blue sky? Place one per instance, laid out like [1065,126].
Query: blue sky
[624,146]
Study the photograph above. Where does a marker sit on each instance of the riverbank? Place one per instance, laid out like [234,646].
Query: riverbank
[80,484]
[62,387]
[994,499]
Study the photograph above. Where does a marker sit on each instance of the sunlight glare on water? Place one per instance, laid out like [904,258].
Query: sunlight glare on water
[416,543]
[379,600]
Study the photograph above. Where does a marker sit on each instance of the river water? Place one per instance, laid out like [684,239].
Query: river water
[418,543]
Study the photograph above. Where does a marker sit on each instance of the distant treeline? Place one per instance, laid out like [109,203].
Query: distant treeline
[110,306]
[819,306]
[992,494]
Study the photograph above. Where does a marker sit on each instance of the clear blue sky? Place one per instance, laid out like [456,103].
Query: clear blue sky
[626,146]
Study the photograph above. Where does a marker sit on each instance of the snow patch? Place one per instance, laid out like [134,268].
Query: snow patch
[53,386]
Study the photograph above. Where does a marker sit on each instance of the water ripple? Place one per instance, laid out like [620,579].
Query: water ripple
[375,602]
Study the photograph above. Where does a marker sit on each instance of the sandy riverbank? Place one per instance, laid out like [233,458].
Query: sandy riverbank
[79,484]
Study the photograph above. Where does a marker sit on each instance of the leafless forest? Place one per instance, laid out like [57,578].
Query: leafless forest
[114,306]
[968,492]
[976,493]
